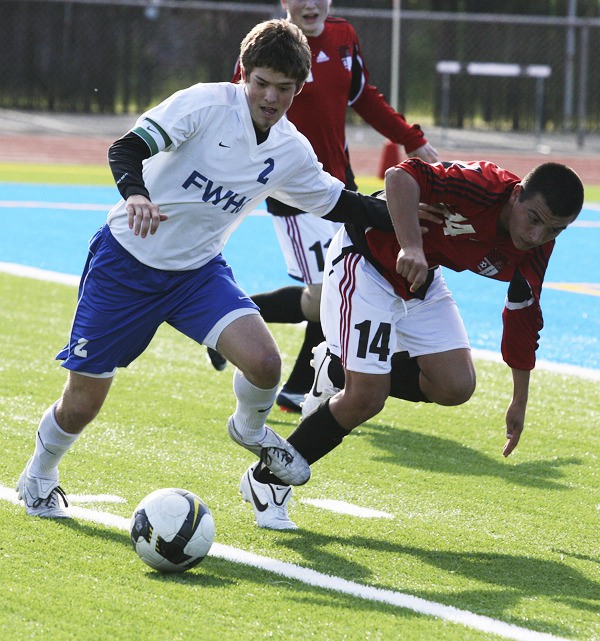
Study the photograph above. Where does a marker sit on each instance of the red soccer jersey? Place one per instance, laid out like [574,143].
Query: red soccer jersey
[339,78]
[474,194]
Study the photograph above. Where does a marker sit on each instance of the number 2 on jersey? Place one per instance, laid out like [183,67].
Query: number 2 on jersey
[270,165]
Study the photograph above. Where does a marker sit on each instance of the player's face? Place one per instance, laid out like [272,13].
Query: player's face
[270,95]
[309,15]
[530,222]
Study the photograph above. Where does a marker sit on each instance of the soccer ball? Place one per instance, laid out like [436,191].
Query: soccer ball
[172,530]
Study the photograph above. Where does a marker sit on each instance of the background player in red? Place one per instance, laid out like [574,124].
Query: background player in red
[383,294]
[338,79]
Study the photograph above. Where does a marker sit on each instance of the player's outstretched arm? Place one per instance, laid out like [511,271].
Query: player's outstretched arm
[367,211]
[515,415]
[403,194]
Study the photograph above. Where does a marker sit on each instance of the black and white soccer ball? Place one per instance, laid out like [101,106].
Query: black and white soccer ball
[172,530]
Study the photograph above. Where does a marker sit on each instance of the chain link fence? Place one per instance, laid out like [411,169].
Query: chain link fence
[121,56]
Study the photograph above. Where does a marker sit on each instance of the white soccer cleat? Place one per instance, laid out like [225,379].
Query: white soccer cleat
[277,454]
[269,502]
[322,388]
[42,496]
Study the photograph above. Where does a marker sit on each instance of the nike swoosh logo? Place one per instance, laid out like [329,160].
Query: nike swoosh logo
[266,409]
[315,392]
[280,503]
[222,145]
[261,507]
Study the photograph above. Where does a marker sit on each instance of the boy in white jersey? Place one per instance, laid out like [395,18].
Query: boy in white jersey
[189,171]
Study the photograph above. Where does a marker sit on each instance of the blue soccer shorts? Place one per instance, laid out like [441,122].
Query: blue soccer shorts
[122,302]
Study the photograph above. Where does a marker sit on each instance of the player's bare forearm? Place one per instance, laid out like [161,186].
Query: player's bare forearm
[515,415]
[402,193]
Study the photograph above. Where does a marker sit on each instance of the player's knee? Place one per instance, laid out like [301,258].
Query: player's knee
[73,414]
[364,403]
[264,370]
[456,389]
[81,401]
[311,303]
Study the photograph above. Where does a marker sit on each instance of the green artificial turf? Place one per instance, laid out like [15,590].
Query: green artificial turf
[516,540]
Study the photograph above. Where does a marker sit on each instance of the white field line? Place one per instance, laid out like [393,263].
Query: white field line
[259,211]
[40,204]
[38,274]
[487,355]
[342,507]
[329,582]
[540,364]
[96,498]
[585,223]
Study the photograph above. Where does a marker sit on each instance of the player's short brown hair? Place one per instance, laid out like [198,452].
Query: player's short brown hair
[278,45]
[559,185]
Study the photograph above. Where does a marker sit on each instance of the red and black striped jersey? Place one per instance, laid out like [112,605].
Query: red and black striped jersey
[473,194]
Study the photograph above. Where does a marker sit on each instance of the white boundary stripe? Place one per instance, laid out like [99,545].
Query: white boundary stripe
[342,507]
[41,204]
[259,211]
[96,498]
[39,274]
[548,366]
[585,223]
[68,279]
[328,582]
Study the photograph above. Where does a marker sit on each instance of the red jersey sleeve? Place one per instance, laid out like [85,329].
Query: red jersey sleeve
[373,108]
[522,314]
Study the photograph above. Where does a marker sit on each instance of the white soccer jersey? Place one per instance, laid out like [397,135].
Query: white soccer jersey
[218,175]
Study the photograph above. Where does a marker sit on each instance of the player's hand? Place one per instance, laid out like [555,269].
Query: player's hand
[143,215]
[432,213]
[515,422]
[425,152]
[413,266]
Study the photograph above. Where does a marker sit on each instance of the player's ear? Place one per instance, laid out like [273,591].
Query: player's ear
[516,193]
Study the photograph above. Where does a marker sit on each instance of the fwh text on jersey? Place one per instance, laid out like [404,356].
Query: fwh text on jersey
[214,194]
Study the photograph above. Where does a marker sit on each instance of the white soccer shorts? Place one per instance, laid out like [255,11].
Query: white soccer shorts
[304,240]
[365,322]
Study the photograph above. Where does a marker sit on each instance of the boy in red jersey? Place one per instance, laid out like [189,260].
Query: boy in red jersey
[384,295]
[338,79]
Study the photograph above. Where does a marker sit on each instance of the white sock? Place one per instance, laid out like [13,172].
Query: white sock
[253,407]
[51,444]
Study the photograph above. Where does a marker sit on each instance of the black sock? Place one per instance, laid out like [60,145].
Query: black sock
[281,305]
[301,378]
[405,379]
[317,434]
[315,437]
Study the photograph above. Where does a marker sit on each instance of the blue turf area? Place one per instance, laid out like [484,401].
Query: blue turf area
[48,226]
